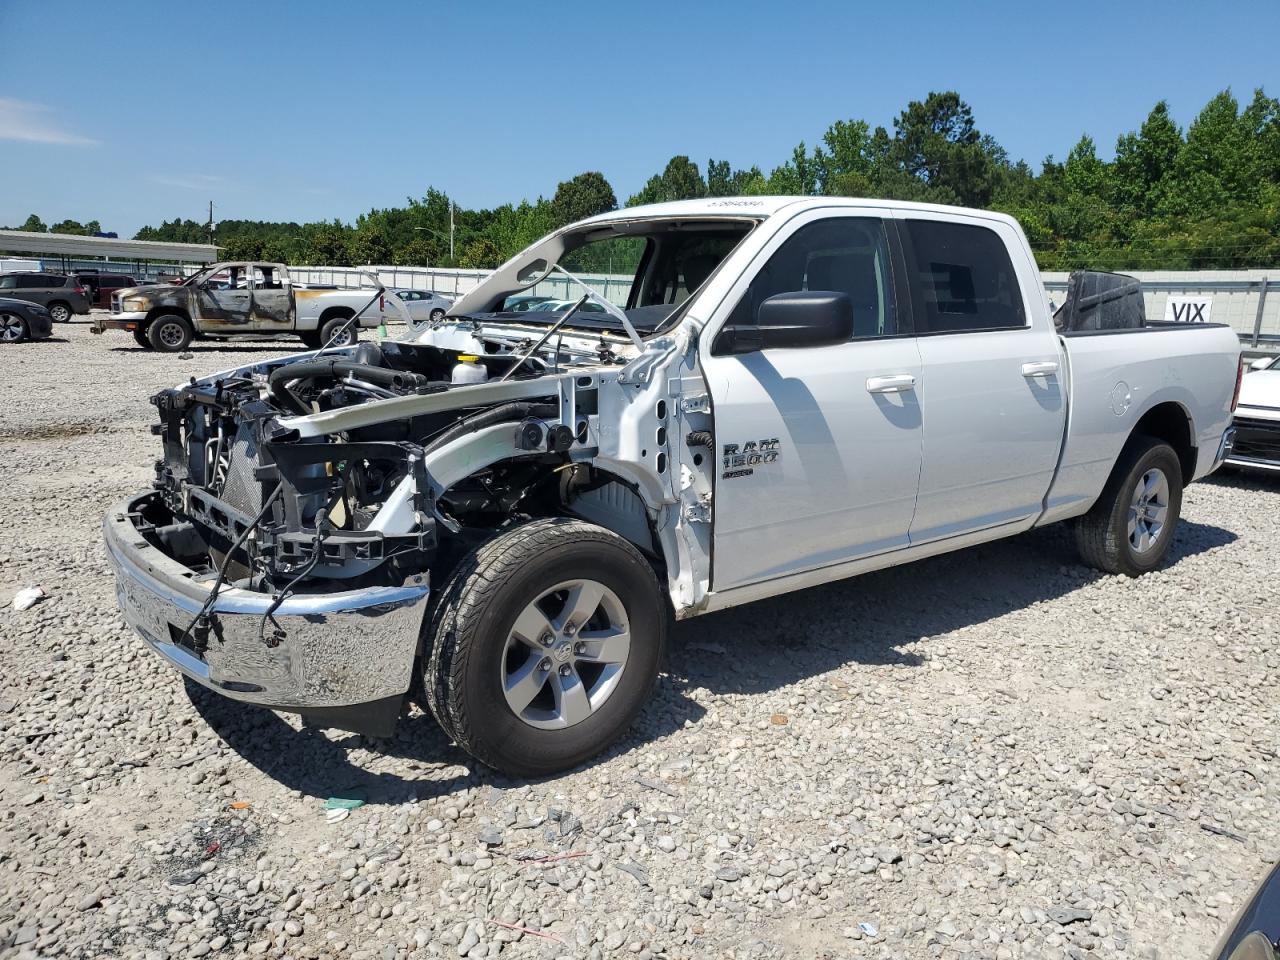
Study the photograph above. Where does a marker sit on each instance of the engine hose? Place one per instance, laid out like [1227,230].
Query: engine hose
[486,418]
[336,368]
[701,438]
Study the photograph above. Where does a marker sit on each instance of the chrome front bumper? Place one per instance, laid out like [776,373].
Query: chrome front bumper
[337,650]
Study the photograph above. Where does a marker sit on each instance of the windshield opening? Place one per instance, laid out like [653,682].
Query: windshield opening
[649,270]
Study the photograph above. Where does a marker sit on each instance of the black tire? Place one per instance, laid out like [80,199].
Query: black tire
[330,327]
[13,328]
[437,315]
[1103,536]
[465,655]
[60,311]
[140,337]
[169,333]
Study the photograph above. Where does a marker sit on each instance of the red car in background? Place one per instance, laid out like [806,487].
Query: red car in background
[100,286]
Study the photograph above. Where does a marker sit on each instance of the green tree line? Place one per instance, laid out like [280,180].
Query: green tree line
[1204,197]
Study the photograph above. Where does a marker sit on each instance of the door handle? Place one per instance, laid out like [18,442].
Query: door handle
[1041,368]
[896,383]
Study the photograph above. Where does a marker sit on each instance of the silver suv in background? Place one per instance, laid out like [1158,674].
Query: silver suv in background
[62,295]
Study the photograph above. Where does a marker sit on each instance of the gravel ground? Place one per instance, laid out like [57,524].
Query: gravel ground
[998,753]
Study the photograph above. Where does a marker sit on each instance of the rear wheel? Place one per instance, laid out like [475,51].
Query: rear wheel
[544,646]
[1130,529]
[169,333]
[61,312]
[437,315]
[13,328]
[329,331]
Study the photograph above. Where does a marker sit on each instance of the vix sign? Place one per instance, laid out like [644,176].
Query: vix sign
[1187,309]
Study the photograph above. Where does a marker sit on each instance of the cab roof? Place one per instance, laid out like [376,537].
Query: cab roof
[763,207]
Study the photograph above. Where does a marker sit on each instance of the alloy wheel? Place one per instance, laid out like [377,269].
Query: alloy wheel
[565,654]
[1148,510]
[11,328]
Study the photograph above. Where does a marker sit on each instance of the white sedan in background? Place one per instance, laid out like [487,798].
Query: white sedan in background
[422,305]
[1257,420]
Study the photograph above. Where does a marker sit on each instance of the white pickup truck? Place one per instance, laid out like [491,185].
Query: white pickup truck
[237,299]
[498,516]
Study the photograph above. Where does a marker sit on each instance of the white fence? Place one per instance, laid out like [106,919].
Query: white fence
[455,283]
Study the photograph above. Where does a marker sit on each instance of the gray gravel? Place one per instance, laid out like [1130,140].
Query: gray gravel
[993,754]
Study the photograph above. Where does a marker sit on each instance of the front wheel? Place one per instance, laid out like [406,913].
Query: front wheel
[169,333]
[544,646]
[13,328]
[1130,529]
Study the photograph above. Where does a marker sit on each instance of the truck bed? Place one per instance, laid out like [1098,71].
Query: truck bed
[1110,388]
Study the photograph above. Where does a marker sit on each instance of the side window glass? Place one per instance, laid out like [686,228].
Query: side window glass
[848,255]
[8,283]
[962,279]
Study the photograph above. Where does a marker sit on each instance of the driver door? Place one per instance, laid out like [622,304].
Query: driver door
[223,299]
[819,447]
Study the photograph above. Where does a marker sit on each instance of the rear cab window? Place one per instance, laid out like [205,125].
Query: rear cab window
[962,280]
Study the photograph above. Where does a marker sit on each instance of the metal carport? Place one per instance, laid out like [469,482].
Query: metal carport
[69,247]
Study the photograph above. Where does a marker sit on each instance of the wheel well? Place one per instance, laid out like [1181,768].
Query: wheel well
[340,313]
[165,311]
[601,498]
[1171,423]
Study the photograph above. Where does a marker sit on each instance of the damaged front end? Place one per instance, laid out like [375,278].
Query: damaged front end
[285,553]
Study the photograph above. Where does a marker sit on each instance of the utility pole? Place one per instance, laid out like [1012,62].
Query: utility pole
[210,223]
[452,205]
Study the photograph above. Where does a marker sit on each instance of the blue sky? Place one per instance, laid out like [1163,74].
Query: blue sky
[130,113]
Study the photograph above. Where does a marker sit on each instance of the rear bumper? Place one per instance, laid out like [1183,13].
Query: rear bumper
[337,650]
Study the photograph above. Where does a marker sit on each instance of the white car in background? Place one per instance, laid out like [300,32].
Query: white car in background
[1257,418]
[422,305]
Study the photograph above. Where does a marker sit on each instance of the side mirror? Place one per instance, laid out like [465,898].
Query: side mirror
[1261,363]
[804,318]
[807,318]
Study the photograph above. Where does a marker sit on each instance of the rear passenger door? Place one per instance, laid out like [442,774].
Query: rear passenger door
[818,447]
[992,391]
[272,299]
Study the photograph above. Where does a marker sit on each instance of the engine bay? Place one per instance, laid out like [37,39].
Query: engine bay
[249,501]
